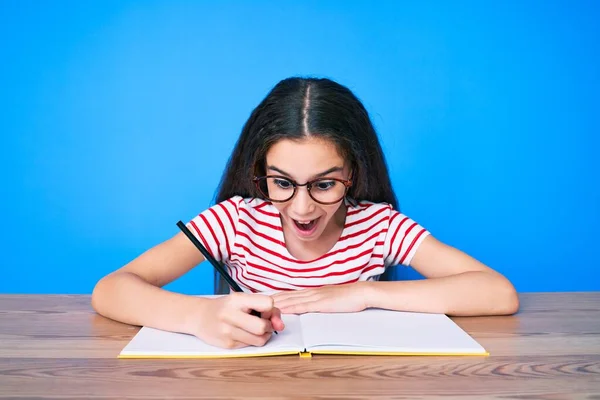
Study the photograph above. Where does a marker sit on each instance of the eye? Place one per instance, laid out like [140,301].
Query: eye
[325,185]
[282,183]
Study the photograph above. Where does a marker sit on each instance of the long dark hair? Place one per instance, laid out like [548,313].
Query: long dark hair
[297,108]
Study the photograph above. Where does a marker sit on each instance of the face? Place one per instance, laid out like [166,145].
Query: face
[303,161]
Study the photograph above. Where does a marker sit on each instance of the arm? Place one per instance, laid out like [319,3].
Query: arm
[134,295]
[457,285]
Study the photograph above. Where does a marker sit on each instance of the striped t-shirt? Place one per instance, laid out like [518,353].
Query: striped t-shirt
[246,235]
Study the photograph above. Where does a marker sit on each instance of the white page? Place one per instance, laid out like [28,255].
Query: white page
[386,331]
[150,342]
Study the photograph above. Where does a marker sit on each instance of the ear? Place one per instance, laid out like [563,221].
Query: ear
[351,173]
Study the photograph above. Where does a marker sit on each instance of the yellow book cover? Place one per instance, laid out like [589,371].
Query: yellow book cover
[369,332]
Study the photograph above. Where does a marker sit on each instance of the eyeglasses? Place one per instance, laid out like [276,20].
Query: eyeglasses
[280,189]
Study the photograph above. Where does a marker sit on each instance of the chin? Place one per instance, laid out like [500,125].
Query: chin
[310,239]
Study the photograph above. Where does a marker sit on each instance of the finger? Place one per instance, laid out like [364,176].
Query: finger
[250,323]
[293,297]
[248,338]
[284,304]
[268,314]
[277,323]
[275,317]
[281,295]
[291,293]
[248,302]
[301,308]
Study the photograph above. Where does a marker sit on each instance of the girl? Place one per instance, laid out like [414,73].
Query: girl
[305,216]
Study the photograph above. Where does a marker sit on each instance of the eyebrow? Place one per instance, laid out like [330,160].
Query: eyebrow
[319,175]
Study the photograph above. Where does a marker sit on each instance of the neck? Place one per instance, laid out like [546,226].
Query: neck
[316,248]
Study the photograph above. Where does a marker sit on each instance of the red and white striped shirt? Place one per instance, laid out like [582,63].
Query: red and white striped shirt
[246,235]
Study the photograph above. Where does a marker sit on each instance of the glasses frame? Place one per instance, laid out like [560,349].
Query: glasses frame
[346,182]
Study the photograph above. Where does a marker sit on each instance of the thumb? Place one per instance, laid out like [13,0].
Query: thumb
[275,316]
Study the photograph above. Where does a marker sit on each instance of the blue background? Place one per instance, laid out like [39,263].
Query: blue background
[117,119]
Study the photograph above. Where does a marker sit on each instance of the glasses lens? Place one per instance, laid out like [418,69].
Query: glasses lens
[327,190]
[276,189]
[279,189]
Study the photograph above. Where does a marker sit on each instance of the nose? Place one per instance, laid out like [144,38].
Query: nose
[302,204]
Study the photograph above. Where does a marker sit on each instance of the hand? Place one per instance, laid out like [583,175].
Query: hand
[226,321]
[335,298]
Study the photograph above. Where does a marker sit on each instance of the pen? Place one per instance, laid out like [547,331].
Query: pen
[214,262]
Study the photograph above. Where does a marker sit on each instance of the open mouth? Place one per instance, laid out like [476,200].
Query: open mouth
[306,227]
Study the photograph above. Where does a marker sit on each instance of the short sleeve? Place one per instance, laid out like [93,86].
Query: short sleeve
[402,239]
[216,228]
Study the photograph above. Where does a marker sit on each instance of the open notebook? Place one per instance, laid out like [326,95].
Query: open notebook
[372,332]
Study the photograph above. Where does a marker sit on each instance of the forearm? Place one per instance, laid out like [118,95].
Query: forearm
[127,298]
[467,294]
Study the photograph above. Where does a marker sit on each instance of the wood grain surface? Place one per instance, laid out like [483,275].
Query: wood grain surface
[56,347]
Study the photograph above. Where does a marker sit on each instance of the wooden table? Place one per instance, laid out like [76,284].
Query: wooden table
[57,347]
